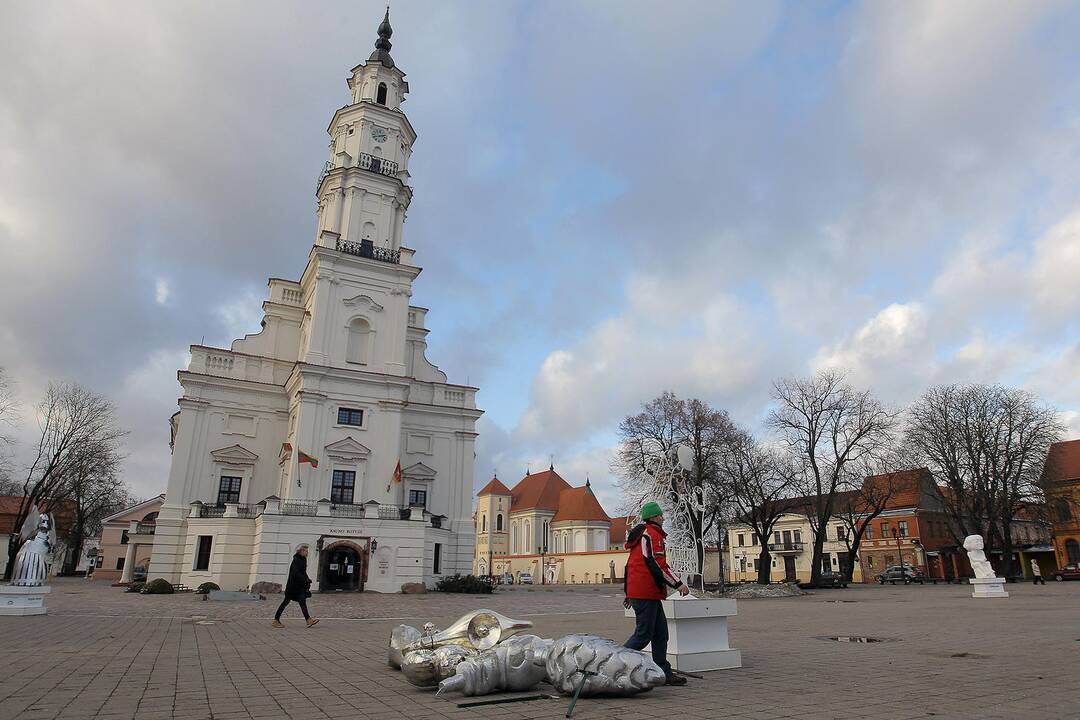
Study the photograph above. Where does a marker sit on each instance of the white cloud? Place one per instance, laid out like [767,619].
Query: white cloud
[1055,273]
[241,315]
[161,291]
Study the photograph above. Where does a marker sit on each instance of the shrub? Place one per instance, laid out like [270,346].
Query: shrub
[206,587]
[158,586]
[464,584]
[134,587]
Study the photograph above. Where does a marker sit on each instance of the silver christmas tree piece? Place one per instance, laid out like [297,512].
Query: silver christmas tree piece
[619,670]
[510,665]
[426,668]
[400,638]
[480,630]
[38,540]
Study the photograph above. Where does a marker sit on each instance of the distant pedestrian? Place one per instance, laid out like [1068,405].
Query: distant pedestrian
[296,588]
[1036,573]
[647,578]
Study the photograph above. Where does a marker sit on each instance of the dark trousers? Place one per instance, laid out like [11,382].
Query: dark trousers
[651,627]
[1036,579]
[301,601]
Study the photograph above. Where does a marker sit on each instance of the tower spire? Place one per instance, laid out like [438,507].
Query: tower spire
[382,45]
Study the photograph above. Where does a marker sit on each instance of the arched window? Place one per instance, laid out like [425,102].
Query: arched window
[150,517]
[1072,552]
[1064,512]
[483,523]
[498,522]
[526,540]
[381,96]
[360,334]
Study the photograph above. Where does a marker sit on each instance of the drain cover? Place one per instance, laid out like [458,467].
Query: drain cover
[852,638]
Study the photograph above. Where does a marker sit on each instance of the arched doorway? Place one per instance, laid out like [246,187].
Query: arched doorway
[342,567]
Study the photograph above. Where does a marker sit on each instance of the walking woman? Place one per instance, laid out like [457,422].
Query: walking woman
[296,589]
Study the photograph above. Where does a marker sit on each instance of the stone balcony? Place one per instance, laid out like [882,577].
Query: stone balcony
[371,510]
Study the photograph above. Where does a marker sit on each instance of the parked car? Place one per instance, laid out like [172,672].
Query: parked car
[506,579]
[832,579]
[904,573]
[525,579]
[1069,572]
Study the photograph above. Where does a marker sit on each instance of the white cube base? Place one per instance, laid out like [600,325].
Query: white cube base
[21,600]
[698,634]
[988,587]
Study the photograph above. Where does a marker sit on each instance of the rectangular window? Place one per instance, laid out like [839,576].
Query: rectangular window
[753,539]
[841,533]
[228,490]
[119,563]
[123,537]
[885,530]
[438,559]
[100,560]
[903,528]
[350,416]
[869,533]
[756,564]
[869,561]
[202,552]
[342,487]
[418,497]
[798,536]
[826,562]
[742,539]
[787,537]
[776,537]
[742,564]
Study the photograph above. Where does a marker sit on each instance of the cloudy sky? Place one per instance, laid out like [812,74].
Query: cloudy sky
[612,199]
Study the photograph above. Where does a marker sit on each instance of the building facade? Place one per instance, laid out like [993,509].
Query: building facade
[1062,482]
[547,529]
[329,427]
[127,542]
[791,549]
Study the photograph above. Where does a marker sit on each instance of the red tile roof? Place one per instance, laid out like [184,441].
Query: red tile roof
[495,487]
[908,486]
[620,526]
[539,490]
[1063,462]
[579,504]
[64,515]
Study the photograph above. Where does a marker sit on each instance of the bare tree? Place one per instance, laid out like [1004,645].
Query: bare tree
[832,429]
[858,507]
[73,421]
[649,441]
[989,444]
[95,487]
[759,479]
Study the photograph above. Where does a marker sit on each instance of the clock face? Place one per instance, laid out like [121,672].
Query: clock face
[378,134]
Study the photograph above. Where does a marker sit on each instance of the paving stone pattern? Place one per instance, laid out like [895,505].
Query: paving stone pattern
[107,655]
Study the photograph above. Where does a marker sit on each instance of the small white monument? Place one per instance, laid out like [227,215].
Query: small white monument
[985,584]
[26,593]
[698,633]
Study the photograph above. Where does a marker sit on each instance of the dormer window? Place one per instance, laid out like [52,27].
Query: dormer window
[380,96]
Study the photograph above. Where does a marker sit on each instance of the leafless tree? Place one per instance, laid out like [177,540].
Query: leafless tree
[989,445]
[73,422]
[831,429]
[95,487]
[648,441]
[858,507]
[759,479]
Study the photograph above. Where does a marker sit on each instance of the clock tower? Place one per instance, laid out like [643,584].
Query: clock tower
[363,192]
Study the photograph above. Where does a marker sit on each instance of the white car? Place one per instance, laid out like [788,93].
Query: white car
[525,579]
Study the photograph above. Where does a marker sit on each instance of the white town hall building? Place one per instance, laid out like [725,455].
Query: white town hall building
[338,374]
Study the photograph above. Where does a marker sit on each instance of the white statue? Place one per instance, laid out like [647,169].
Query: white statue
[973,544]
[609,669]
[38,539]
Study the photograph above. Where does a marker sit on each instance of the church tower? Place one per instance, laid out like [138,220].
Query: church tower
[329,427]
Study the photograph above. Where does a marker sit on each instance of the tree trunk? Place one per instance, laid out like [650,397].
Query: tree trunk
[819,545]
[764,566]
[76,541]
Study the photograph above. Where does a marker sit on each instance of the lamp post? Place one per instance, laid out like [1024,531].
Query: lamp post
[541,550]
[900,552]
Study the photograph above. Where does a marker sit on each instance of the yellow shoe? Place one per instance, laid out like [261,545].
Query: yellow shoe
[312,621]
[277,624]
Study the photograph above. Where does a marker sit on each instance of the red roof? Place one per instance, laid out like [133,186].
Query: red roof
[495,487]
[63,514]
[579,504]
[908,486]
[1063,461]
[539,490]
[620,526]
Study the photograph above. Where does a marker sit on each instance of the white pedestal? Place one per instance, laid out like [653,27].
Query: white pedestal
[988,587]
[698,634]
[20,600]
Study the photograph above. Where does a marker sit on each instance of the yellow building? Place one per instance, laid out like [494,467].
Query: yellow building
[547,529]
[791,550]
[1062,481]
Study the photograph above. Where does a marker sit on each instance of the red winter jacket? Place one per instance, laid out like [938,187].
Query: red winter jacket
[647,575]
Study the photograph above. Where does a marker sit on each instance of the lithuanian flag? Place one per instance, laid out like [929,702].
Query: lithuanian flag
[303,457]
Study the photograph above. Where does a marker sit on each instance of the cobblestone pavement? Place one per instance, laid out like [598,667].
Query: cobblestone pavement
[107,655]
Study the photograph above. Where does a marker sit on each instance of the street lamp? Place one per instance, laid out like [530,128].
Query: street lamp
[541,550]
[900,552]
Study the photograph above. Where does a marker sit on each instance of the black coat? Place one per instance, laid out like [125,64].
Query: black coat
[298,583]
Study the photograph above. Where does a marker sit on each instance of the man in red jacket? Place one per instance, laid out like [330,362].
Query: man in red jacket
[647,580]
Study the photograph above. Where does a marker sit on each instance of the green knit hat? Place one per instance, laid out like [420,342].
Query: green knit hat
[650,510]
